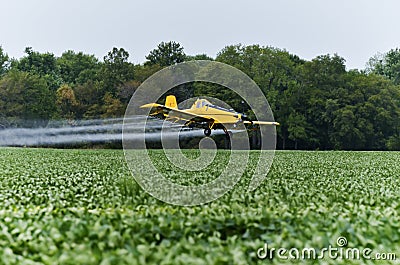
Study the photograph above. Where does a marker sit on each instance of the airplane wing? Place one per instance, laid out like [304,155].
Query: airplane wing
[255,125]
[175,115]
[261,123]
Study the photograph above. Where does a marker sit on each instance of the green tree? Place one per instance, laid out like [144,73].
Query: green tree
[116,70]
[199,57]
[321,79]
[393,143]
[42,64]
[39,63]
[126,90]
[26,96]
[376,103]
[142,72]
[166,54]
[4,62]
[297,125]
[89,97]
[387,65]
[346,135]
[231,55]
[77,67]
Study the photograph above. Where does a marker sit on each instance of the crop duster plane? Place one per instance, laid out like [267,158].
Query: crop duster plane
[203,115]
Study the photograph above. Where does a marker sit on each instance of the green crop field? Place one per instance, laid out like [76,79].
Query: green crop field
[82,207]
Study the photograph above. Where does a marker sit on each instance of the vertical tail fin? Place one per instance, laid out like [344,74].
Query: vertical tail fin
[170,102]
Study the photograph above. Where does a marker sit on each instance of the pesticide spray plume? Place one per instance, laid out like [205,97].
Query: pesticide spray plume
[66,132]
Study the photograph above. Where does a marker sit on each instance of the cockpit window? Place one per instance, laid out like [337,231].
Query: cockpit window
[198,104]
[221,108]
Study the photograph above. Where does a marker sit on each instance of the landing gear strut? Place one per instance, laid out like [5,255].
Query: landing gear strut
[207,132]
[228,134]
[228,138]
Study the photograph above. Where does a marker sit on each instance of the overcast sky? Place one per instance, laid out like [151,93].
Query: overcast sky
[354,29]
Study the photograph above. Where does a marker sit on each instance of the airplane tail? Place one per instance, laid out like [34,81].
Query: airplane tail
[170,102]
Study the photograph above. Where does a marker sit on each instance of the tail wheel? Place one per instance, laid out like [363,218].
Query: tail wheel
[207,132]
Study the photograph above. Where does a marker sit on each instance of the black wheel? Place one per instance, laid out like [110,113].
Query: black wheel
[207,132]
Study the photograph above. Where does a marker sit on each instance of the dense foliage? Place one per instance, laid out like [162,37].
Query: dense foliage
[320,104]
[83,207]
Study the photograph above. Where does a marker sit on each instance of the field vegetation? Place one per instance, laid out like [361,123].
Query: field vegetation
[83,207]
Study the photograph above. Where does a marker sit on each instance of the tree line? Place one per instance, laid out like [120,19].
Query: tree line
[319,103]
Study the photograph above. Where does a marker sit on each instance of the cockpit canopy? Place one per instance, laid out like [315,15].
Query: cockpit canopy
[201,103]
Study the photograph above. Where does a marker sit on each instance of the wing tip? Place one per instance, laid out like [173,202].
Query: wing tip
[149,105]
[274,123]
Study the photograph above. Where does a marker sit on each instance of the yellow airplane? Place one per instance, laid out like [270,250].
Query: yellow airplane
[203,115]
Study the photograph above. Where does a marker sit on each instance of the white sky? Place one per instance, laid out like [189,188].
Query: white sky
[355,29]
